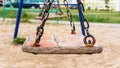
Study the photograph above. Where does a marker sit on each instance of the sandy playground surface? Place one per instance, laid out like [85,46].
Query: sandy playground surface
[12,56]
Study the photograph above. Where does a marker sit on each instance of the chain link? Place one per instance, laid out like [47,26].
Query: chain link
[69,14]
[86,26]
[88,40]
[80,3]
[45,15]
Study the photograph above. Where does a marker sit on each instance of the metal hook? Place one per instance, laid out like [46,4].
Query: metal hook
[89,43]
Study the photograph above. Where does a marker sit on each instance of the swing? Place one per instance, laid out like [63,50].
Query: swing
[65,44]
[56,6]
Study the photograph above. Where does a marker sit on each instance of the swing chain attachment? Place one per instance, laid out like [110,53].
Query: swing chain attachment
[69,14]
[45,15]
[40,31]
[88,40]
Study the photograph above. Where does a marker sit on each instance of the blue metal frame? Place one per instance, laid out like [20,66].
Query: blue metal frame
[81,17]
[18,19]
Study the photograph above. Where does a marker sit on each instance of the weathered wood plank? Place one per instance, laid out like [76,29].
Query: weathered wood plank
[62,50]
[61,45]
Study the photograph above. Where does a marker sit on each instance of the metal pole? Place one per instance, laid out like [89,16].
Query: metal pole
[80,8]
[10,4]
[57,10]
[18,19]
[4,10]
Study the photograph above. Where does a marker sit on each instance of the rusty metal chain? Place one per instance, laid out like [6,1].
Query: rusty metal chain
[88,40]
[45,15]
[69,14]
[41,12]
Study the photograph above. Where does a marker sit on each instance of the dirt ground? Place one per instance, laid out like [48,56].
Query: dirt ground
[11,56]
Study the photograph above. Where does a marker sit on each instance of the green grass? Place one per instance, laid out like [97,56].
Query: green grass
[108,17]
[98,16]
[18,41]
[13,14]
[92,16]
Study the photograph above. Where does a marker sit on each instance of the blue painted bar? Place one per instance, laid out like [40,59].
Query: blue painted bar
[18,19]
[81,16]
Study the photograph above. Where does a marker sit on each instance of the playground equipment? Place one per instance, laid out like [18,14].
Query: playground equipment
[56,6]
[42,43]
[8,5]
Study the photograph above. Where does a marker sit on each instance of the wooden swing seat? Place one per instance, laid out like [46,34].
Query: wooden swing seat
[65,44]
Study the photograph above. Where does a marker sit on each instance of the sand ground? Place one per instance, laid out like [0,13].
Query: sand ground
[12,56]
